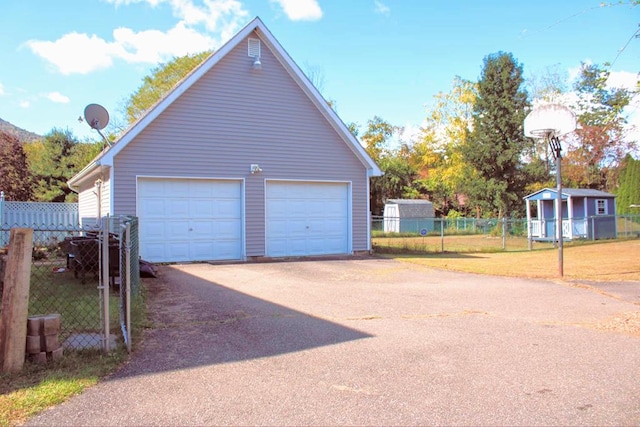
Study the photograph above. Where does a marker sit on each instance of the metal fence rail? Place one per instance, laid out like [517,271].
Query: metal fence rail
[482,235]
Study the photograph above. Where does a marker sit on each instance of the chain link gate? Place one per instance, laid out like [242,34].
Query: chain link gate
[88,275]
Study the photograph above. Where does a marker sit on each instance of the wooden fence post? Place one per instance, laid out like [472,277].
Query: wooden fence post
[15,300]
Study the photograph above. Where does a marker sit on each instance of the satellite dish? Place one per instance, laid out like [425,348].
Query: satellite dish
[97,116]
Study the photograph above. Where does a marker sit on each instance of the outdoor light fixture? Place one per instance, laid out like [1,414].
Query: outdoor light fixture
[255,169]
[257,65]
[549,122]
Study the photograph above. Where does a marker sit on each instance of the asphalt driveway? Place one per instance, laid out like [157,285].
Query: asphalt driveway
[370,342]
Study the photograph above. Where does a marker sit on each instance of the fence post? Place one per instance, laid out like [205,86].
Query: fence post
[504,233]
[15,300]
[128,283]
[1,208]
[104,285]
[442,234]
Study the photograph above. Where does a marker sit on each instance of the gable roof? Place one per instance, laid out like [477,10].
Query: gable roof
[107,156]
[571,192]
[413,208]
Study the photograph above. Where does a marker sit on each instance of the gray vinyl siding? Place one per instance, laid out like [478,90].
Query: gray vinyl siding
[88,200]
[235,116]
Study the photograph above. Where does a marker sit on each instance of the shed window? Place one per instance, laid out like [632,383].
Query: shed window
[601,207]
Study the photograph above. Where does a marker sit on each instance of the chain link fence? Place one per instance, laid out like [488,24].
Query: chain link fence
[70,272]
[469,235]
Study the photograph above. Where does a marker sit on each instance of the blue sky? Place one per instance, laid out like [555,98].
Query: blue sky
[376,57]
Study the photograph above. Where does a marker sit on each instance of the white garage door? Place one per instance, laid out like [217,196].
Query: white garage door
[189,219]
[307,218]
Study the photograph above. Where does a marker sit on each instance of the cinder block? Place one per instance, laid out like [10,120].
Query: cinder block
[55,354]
[50,324]
[50,342]
[33,325]
[38,357]
[33,344]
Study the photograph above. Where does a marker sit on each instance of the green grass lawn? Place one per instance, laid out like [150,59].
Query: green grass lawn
[40,386]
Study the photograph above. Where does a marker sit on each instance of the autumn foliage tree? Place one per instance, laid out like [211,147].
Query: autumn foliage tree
[600,145]
[437,155]
[15,179]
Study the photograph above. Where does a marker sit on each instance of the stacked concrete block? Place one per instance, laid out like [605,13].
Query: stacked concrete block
[42,338]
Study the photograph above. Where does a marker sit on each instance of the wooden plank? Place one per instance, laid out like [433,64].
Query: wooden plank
[15,300]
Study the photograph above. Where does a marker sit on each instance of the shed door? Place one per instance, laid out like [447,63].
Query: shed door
[307,218]
[190,219]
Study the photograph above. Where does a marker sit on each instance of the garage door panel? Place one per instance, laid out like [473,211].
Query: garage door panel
[227,208]
[297,208]
[155,251]
[189,220]
[176,187]
[228,230]
[153,229]
[152,208]
[307,218]
[226,249]
[200,208]
[201,251]
[201,230]
[277,208]
[201,190]
[176,208]
[178,251]
[174,230]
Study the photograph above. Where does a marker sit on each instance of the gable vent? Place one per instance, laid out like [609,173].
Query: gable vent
[254,48]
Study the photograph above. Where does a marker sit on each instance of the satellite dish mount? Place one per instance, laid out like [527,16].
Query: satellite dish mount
[98,118]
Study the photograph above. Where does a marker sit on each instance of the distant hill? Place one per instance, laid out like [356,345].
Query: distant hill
[21,134]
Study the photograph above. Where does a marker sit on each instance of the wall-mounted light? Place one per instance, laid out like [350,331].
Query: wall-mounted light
[257,65]
[255,169]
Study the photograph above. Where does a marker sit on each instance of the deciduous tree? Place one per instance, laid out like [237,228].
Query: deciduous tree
[437,156]
[54,160]
[593,157]
[162,79]
[15,180]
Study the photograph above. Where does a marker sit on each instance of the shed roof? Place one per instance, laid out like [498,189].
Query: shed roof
[413,208]
[570,192]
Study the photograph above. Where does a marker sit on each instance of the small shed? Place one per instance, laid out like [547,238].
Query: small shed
[586,214]
[408,216]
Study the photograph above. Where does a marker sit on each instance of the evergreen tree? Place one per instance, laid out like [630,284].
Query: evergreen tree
[628,193]
[496,145]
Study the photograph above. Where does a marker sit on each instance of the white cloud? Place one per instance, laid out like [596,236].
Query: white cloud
[623,80]
[300,10]
[24,104]
[199,27]
[153,46]
[381,8]
[57,97]
[76,53]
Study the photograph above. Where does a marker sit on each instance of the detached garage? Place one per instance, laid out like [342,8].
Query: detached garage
[243,159]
